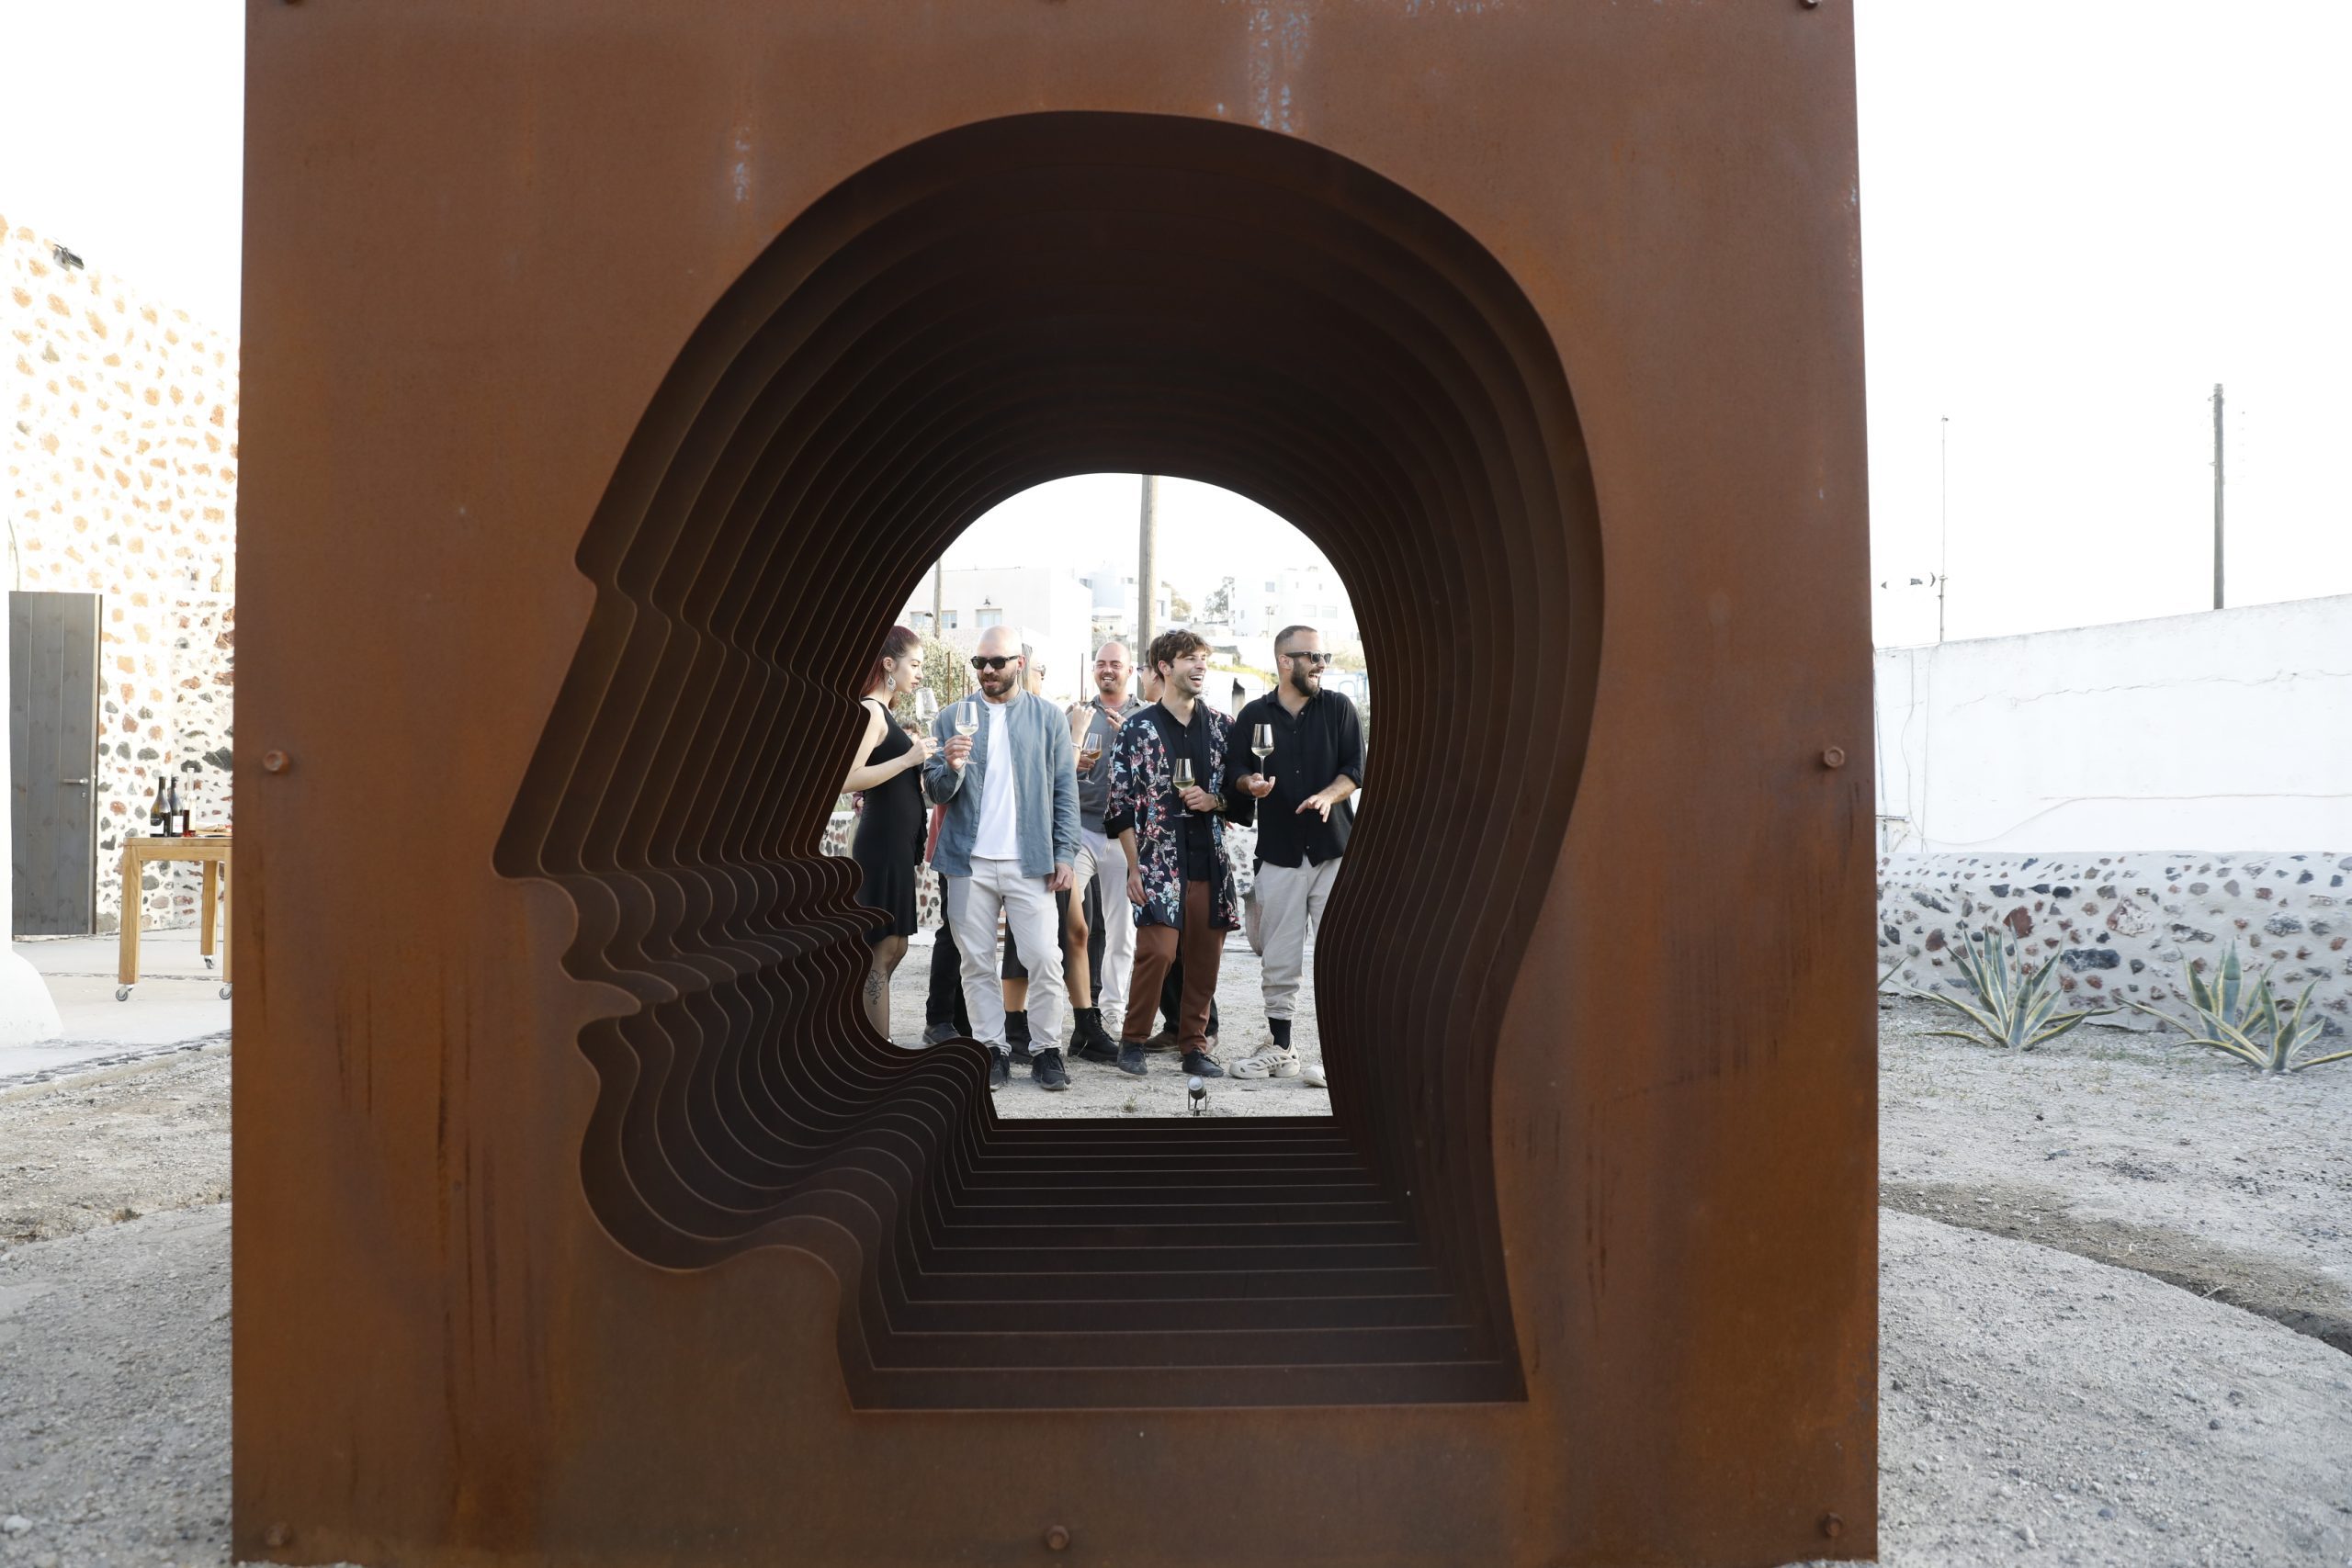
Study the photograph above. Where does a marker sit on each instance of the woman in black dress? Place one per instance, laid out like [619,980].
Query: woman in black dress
[888,841]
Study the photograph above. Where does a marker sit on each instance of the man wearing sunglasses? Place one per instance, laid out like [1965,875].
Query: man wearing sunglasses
[1301,791]
[1006,847]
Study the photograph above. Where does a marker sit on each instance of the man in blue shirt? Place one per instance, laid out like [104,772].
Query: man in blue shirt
[1006,847]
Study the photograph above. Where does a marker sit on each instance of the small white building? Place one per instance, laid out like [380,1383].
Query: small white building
[1114,601]
[1273,598]
[1051,608]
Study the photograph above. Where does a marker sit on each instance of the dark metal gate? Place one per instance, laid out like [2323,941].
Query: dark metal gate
[52,754]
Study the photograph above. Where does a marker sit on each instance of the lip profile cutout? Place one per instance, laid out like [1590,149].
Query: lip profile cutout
[980,312]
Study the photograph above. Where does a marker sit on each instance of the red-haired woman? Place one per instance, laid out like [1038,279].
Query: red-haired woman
[888,843]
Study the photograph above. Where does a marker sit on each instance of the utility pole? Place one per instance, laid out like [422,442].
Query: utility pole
[938,595]
[1147,567]
[2217,495]
[1943,521]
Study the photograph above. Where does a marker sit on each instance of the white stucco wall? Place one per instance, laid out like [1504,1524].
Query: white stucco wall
[2229,729]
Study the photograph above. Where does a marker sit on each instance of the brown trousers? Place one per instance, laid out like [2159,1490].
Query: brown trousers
[1156,948]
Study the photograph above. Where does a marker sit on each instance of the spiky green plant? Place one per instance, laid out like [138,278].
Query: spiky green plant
[2014,1010]
[2244,1020]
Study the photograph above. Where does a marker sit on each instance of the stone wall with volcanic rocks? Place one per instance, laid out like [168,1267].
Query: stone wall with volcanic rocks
[2122,925]
[122,481]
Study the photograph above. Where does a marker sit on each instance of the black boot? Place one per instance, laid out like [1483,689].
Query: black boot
[1281,1026]
[1016,1034]
[1088,1042]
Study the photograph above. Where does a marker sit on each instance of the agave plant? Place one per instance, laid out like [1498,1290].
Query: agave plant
[2245,1021]
[2014,1010]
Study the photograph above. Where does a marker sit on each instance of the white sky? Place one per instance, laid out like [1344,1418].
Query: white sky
[1205,533]
[2078,216]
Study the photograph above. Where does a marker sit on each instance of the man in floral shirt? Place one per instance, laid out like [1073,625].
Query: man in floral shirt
[1177,876]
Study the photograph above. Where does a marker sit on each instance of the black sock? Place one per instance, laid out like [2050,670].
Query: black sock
[1281,1026]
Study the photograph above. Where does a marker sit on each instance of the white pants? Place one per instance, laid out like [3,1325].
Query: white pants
[1290,906]
[1034,923]
[1104,857]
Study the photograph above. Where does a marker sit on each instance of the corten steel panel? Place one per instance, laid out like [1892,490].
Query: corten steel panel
[613,371]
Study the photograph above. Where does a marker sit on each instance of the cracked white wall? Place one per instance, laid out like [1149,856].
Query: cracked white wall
[2227,730]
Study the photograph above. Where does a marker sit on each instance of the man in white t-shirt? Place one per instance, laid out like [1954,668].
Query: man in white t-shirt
[1006,847]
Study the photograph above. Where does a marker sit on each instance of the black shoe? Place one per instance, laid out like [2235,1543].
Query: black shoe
[1197,1065]
[1000,1070]
[1089,1042]
[1163,1041]
[1045,1069]
[940,1033]
[1131,1057]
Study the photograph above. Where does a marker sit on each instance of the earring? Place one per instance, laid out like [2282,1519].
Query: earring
[889,681]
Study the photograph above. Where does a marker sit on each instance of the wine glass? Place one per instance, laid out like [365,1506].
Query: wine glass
[926,707]
[1262,739]
[1090,753]
[1184,773]
[966,716]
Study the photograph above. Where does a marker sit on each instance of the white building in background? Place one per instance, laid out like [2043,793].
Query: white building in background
[1114,601]
[1266,601]
[1049,606]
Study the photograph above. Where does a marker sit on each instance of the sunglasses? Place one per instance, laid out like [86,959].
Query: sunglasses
[1317,659]
[994,661]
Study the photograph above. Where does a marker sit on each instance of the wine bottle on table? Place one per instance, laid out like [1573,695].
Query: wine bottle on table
[175,824]
[156,826]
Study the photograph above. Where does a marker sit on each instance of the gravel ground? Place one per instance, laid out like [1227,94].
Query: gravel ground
[113,1144]
[2037,1405]
[2134,1149]
[1100,1091]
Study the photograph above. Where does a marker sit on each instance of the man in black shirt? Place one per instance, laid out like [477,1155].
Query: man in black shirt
[1301,785]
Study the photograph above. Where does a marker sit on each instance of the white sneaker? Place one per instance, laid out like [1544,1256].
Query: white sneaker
[1312,1076]
[1271,1062]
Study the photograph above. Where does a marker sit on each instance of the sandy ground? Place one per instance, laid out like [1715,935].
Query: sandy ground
[2037,1405]
[1096,1090]
[2135,1149]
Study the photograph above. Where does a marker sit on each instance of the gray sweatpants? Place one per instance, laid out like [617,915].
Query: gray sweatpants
[1035,927]
[1290,906]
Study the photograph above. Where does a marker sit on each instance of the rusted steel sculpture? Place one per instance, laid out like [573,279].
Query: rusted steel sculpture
[612,374]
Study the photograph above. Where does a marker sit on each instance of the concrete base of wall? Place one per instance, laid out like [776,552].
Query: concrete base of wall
[2122,925]
[27,1012]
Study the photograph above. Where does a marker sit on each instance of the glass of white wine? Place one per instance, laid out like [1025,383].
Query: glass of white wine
[1262,739]
[1184,773]
[1090,753]
[926,707]
[968,720]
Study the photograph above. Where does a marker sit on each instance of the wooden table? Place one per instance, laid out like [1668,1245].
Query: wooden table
[212,851]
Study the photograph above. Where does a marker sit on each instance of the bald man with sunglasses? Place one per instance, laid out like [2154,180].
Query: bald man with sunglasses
[1006,846]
